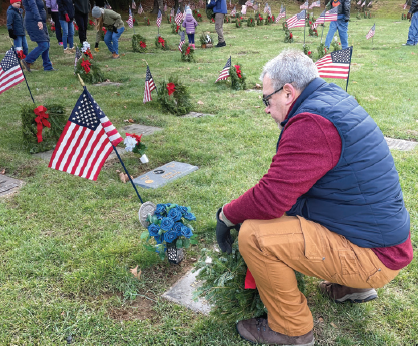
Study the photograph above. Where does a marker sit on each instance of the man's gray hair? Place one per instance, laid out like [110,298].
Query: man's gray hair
[290,66]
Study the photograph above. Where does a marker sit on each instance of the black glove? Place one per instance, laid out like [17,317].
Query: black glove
[12,35]
[96,45]
[115,29]
[49,10]
[223,234]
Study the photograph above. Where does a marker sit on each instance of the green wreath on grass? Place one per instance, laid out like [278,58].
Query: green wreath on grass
[139,43]
[187,53]
[251,22]
[238,23]
[237,77]
[322,50]
[161,43]
[178,102]
[288,38]
[89,71]
[175,28]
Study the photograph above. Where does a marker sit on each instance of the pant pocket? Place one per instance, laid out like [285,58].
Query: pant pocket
[314,241]
[377,279]
[349,263]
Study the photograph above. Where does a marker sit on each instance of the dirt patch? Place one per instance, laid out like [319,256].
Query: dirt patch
[138,309]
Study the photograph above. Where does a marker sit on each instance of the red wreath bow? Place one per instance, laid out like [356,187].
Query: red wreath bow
[91,22]
[75,27]
[86,65]
[142,44]
[171,88]
[188,50]
[41,121]
[133,135]
[161,40]
[88,53]
[237,67]
[52,27]
[104,30]
[20,54]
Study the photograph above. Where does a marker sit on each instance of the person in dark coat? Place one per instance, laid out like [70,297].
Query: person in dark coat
[220,10]
[413,28]
[52,7]
[82,9]
[35,24]
[341,24]
[15,26]
[66,16]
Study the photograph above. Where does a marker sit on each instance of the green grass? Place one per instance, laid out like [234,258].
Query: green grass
[67,244]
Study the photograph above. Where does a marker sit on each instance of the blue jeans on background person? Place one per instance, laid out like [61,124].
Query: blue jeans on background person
[191,38]
[112,40]
[67,33]
[20,42]
[413,30]
[342,27]
[42,49]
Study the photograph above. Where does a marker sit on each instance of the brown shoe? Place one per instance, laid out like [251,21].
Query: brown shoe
[115,56]
[341,294]
[26,64]
[257,330]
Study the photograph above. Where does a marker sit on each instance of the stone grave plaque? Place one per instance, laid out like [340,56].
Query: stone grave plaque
[108,84]
[140,129]
[9,185]
[164,174]
[182,293]
[196,115]
[400,144]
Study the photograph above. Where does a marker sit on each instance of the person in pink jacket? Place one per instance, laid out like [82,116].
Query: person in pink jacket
[190,24]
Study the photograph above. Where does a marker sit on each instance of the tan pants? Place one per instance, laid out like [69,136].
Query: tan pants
[219,23]
[273,249]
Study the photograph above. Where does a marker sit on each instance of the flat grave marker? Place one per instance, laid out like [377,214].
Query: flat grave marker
[164,174]
[9,185]
[196,115]
[140,129]
[400,144]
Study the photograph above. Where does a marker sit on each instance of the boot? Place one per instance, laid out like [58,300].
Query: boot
[26,64]
[115,56]
[341,294]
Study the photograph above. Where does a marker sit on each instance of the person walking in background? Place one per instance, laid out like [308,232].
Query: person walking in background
[341,23]
[190,24]
[16,28]
[52,7]
[35,24]
[413,28]
[219,8]
[113,23]
[81,16]
[66,16]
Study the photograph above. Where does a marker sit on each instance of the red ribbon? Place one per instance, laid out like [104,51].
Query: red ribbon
[171,88]
[104,30]
[138,138]
[41,121]
[161,40]
[142,44]
[20,54]
[88,53]
[249,281]
[86,65]
[237,68]
[187,51]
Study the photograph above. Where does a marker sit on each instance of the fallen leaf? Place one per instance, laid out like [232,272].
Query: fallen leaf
[188,68]
[117,171]
[106,65]
[135,272]
[412,53]
[130,120]
[126,121]
[198,68]
[259,96]
[200,102]
[257,106]
[354,82]
[257,86]
[332,324]
[125,108]
[63,313]
[123,54]
[3,171]
[320,320]
[123,177]
[65,88]
[192,259]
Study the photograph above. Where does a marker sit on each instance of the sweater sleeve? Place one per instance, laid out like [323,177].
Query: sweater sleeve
[310,146]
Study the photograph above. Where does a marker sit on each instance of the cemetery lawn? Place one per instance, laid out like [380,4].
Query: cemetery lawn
[67,243]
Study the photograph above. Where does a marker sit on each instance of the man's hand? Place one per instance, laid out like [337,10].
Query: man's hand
[40,26]
[67,18]
[223,234]
[408,16]
[12,35]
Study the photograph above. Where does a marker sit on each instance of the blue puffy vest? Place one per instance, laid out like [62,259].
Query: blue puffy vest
[360,198]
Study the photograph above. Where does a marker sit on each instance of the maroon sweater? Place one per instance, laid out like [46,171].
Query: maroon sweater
[296,167]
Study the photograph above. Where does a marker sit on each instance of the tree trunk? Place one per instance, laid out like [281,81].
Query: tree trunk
[158,4]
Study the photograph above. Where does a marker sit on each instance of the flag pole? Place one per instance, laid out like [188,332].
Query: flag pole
[304,29]
[18,59]
[114,148]
[349,68]
[133,21]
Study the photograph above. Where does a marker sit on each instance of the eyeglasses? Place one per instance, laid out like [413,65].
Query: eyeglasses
[266,99]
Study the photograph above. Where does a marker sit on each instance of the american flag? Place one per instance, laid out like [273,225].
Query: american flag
[282,14]
[335,64]
[359,2]
[404,6]
[233,11]
[165,7]
[304,6]
[266,7]
[316,4]
[179,17]
[86,141]
[182,39]
[77,57]
[326,16]
[159,18]
[249,3]
[244,9]
[130,20]
[371,32]
[255,7]
[140,9]
[370,4]
[364,3]
[298,20]
[133,5]
[225,72]
[172,12]
[269,12]
[10,71]
[149,86]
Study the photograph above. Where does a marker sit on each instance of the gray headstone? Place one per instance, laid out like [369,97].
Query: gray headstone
[164,174]
[140,129]
[108,84]
[400,144]
[196,115]
[9,185]
[182,293]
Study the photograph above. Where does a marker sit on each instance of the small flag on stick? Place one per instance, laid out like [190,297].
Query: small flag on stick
[304,6]
[282,13]
[133,5]
[225,72]
[10,71]
[159,18]
[370,34]
[86,141]
[326,16]
[179,17]
[298,20]
[130,20]
[140,9]
[77,57]
[182,39]
[233,12]
[335,64]
[149,86]
[266,7]
[316,4]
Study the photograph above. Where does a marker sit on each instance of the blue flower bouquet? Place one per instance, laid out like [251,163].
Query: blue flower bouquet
[170,228]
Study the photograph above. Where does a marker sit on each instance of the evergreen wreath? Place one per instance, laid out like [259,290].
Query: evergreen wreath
[288,38]
[206,38]
[284,25]
[268,21]
[223,286]
[227,20]
[175,28]
[135,22]
[210,14]
[199,17]
[251,22]
[146,20]
[322,50]
[307,51]
[260,20]
[359,15]
[335,45]
[313,32]
[50,136]
[187,53]
[178,102]
[90,25]
[139,43]
[89,71]
[237,77]
[161,43]
[168,19]
[238,23]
